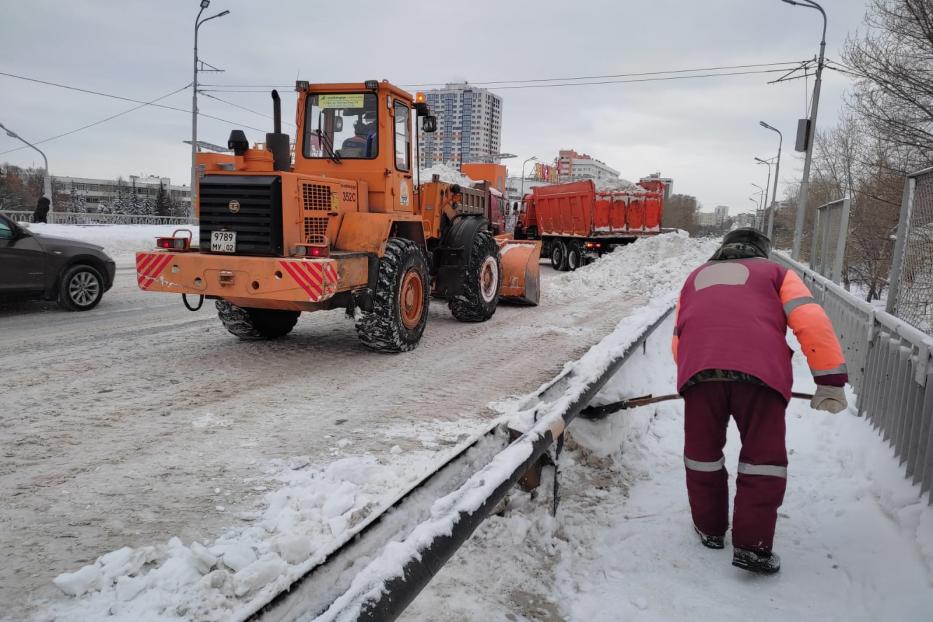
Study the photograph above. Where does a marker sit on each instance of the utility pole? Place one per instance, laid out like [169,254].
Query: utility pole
[811,131]
[194,99]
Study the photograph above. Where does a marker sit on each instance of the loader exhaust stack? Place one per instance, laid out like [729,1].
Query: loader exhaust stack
[277,142]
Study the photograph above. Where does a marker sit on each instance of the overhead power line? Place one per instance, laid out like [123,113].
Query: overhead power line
[786,65]
[224,101]
[127,99]
[104,120]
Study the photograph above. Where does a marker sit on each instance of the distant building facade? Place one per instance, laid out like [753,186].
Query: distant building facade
[721,213]
[573,166]
[469,126]
[96,192]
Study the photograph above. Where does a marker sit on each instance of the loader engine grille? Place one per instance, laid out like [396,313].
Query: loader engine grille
[316,197]
[316,229]
[249,205]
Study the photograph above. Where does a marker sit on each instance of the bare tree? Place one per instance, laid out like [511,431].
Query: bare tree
[893,62]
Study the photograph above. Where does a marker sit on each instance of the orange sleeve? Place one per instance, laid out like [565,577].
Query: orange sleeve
[812,327]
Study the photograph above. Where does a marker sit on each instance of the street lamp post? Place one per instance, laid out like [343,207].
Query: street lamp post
[811,131]
[47,183]
[767,186]
[522,192]
[194,97]
[777,172]
[762,193]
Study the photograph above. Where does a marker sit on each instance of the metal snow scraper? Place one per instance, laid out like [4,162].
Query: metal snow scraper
[595,413]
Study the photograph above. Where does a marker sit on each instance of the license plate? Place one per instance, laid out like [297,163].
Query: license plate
[223,241]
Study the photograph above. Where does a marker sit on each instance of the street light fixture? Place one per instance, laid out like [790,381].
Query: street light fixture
[777,172]
[767,186]
[47,183]
[194,97]
[522,192]
[811,130]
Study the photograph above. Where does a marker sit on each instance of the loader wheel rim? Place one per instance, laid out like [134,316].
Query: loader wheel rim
[411,299]
[489,279]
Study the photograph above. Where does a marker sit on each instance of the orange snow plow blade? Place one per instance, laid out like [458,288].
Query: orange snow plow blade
[521,273]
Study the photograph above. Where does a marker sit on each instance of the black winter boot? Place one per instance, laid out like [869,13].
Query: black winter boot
[761,562]
[710,542]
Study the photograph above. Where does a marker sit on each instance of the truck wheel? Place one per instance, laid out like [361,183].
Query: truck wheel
[400,301]
[559,255]
[479,296]
[574,257]
[251,324]
[81,288]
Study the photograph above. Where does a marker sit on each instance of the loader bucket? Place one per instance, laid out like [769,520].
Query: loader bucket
[521,273]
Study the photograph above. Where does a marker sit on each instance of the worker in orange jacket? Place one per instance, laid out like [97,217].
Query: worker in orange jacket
[733,359]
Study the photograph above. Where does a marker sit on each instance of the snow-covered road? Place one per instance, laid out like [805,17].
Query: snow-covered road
[139,420]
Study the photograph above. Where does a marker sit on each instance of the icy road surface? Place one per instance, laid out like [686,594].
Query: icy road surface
[139,421]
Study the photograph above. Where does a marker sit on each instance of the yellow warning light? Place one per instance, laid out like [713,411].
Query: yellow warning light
[419,98]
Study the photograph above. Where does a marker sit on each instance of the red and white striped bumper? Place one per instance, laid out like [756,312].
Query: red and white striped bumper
[234,276]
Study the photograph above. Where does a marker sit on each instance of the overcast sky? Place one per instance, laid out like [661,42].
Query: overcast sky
[702,133]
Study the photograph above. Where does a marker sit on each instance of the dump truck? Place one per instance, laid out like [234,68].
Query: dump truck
[341,227]
[576,222]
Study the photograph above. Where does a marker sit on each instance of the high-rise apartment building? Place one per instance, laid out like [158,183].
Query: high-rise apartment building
[469,126]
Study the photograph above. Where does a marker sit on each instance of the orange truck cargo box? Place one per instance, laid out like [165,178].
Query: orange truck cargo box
[577,209]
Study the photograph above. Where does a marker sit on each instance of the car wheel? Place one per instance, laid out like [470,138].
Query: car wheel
[81,288]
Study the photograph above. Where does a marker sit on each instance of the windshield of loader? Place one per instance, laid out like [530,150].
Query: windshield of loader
[341,126]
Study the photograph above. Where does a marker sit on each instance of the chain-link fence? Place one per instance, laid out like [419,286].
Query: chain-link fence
[911,292]
[830,231]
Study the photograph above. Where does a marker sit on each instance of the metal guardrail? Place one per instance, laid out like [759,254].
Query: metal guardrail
[891,369]
[74,218]
[911,284]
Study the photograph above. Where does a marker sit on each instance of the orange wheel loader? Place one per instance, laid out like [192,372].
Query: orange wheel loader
[343,226]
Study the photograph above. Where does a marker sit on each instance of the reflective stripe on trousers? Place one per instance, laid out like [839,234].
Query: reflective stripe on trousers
[706,467]
[762,469]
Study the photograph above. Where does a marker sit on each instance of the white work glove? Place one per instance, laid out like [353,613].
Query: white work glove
[829,398]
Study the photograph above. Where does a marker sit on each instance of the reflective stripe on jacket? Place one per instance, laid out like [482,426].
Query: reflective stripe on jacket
[734,315]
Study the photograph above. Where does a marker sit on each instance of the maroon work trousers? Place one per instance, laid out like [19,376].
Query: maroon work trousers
[762,470]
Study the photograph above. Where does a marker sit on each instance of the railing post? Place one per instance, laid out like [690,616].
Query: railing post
[900,245]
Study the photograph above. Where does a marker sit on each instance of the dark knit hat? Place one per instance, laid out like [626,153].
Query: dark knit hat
[749,237]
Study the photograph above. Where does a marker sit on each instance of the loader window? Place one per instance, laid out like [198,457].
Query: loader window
[402,136]
[341,126]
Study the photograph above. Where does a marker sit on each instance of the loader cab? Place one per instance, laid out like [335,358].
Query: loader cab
[360,132]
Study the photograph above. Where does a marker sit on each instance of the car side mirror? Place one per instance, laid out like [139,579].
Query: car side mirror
[429,124]
[338,124]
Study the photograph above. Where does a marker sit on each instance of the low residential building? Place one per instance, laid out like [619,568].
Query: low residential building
[95,192]
[573,166]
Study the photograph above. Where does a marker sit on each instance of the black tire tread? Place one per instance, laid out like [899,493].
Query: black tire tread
[468,305]
[65,300]
[381,329]
[255,324]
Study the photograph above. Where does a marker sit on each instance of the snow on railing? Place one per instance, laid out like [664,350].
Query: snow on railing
[74,218]
[890,368]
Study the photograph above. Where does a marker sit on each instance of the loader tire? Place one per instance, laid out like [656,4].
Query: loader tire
[479,297]
[400,300]
[251,324]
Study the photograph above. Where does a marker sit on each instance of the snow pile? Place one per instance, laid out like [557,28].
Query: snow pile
[649,266]
[121,242]
[447,174]
[302,521]
[618,184]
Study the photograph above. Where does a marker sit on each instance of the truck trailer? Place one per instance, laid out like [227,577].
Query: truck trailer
[575,221]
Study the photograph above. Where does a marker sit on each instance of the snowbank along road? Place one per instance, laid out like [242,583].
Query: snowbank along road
[138,422]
